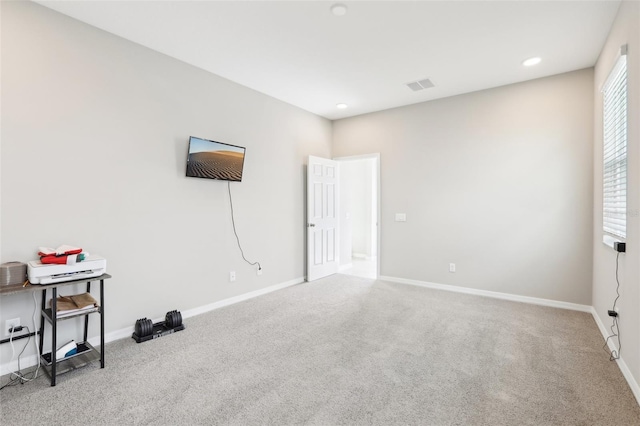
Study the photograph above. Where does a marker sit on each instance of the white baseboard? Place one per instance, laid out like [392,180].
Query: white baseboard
[128,331]
[345,267]
[240,298]
[492,294]
[362,256]
[633,384]
[31,360]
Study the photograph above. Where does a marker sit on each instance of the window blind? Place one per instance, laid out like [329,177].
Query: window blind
[615,149]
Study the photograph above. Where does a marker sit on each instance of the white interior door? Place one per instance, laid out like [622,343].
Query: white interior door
[323,237]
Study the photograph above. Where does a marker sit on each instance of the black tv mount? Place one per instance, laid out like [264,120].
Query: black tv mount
[145,329]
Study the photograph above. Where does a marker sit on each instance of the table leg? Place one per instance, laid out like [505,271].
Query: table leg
[54,332]
[43,306]
[86,317]
[101,323]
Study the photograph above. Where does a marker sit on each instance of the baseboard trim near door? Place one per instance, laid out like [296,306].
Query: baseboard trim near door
[345,267]
[492,294]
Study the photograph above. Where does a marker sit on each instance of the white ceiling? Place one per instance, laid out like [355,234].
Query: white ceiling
[300,53]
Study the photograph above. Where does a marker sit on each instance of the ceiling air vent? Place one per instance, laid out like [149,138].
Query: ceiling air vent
[420,84]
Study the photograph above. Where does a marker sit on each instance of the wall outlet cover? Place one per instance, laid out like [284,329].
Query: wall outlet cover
[9,324]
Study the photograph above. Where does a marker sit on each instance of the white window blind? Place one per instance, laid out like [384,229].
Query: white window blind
[615,149]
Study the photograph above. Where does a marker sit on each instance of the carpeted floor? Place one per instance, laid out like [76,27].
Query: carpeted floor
[345,350]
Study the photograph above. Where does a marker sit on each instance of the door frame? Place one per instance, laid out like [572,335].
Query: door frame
[376,168]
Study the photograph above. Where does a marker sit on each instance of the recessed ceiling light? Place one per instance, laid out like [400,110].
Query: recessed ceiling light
[341,106]
[531,61]
[339,9]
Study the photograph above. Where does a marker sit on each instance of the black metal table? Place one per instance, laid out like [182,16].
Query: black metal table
[86,352]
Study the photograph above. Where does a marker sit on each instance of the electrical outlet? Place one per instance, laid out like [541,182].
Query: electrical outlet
[452,267]
[11,323]
[232,276]
[259,271]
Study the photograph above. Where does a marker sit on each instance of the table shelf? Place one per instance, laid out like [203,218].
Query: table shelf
[86,354]
[47,314]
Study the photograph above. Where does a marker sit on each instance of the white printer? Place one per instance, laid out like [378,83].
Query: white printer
[40,273]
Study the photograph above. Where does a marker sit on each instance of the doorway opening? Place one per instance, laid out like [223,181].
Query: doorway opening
[359,215]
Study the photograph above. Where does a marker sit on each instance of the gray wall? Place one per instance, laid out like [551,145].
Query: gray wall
[626,30]
[94,144]
[498,182]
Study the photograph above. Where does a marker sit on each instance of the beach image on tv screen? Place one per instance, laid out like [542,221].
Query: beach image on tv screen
[213,160]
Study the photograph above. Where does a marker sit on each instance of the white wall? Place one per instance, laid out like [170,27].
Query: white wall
[626,30]
[498,182]
[346,213]
[94,143]
[357,189]
[360,206]
[369,231]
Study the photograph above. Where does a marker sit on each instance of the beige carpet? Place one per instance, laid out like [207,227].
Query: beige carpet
[347,350]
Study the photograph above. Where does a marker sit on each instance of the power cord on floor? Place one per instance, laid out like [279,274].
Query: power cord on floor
[233,222]
[615,329]
[18,377]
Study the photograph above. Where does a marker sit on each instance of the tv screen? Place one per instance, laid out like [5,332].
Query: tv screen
[214,160]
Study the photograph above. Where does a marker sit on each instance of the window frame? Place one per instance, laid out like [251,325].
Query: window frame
[615,152]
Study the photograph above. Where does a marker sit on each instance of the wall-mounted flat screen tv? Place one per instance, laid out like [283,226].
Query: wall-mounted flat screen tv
[215,160]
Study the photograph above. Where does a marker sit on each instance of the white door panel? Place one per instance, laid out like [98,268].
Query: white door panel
[322,218]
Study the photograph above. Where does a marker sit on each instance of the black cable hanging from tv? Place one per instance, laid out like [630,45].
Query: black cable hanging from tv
[233,222]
